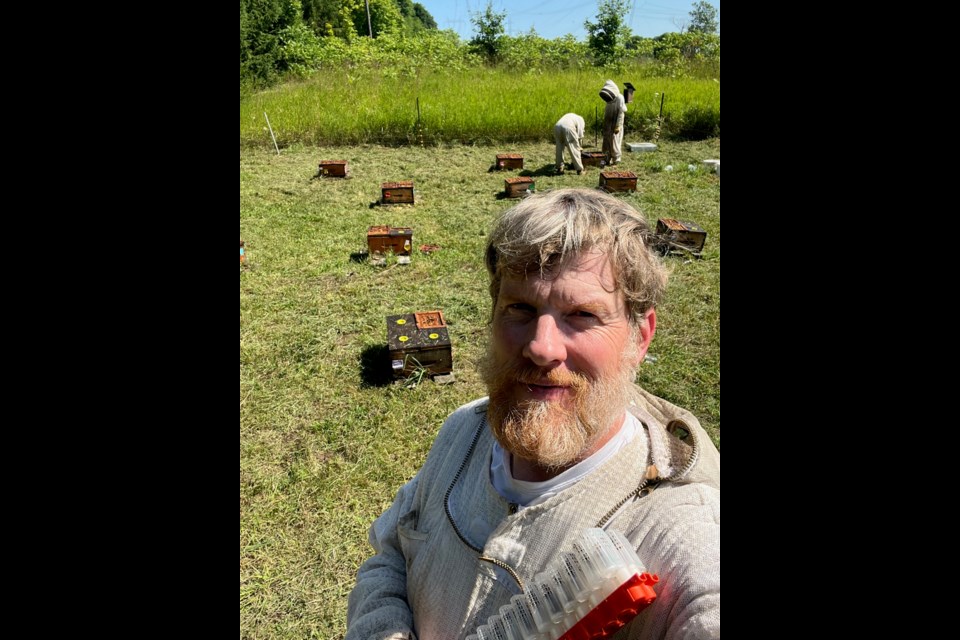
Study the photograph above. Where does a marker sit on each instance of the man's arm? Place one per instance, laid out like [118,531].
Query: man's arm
[697,608]
[683,548]
[378,608]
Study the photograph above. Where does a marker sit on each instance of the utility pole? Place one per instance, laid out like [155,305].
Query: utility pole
[369,25]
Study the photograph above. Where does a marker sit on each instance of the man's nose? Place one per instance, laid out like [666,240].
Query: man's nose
[546,346]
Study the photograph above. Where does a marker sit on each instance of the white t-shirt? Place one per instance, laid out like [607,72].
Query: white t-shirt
[527,494]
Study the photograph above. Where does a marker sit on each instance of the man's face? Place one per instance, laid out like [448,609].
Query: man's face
[561,360]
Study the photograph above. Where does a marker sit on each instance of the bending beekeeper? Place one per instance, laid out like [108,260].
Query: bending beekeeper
[568,133]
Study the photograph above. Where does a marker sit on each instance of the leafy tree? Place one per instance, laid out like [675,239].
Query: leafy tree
[300,50]
[244,33]
[296,36]
[424,16]
[532,54]
[347,18]
[489,36]
[703,18]
[261,23]
[320,15]
[384,18]
[415,17]
[606,38]
[678,54]
[639,46]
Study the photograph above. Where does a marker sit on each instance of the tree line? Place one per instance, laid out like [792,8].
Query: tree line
[294,37]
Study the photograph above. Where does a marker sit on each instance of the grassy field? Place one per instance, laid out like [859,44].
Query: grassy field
[326,439]
[351,106]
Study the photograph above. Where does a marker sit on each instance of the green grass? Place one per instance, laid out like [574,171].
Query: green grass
[353,106]
[324,446]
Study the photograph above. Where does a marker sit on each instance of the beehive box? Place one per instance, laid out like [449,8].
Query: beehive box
[382,238]
[334,168]
[680,234]
[397,192]
[519,186]
[618,180]
[418,340]
[593,159]
[509,161]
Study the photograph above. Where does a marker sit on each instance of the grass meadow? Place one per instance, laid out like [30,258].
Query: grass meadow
[483,105]
[326,438]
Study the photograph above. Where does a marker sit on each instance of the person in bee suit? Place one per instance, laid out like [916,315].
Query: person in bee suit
[567,133]
[612,121]
[563,441]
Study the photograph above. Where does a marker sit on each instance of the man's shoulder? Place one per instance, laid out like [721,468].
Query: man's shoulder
[681,448]
[460,427]
[469,413]
[473,407]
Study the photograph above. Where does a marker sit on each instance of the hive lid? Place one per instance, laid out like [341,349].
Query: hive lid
[430,319]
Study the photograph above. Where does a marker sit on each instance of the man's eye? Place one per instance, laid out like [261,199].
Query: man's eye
[521,307]
[583,314]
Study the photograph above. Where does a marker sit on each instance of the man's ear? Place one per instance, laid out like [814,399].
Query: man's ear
[645,331]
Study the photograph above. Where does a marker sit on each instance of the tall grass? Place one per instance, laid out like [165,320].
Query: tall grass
[325,439]
[362,105]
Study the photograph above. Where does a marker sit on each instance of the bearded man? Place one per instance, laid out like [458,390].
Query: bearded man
[565,441]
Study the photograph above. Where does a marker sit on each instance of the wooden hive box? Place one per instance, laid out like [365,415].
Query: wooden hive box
[680,234]
[618,180]
[334,168]
[419,340]
[397,192]
[519,186]
[381,239]
[593,159]
[509,161]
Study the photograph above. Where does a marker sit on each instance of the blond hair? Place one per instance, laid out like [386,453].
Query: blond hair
[547,231]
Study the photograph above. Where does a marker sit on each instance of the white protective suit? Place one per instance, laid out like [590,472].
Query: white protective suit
[451,550]
[567,133]
[613,121]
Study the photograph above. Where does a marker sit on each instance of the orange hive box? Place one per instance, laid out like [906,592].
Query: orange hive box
[381,239]
[618,180]
[509,161]
[397,192]
[680,234]
[334,168]
[519,186]
[593,159]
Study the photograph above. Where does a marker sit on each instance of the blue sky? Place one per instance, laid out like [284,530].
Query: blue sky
[555,18]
